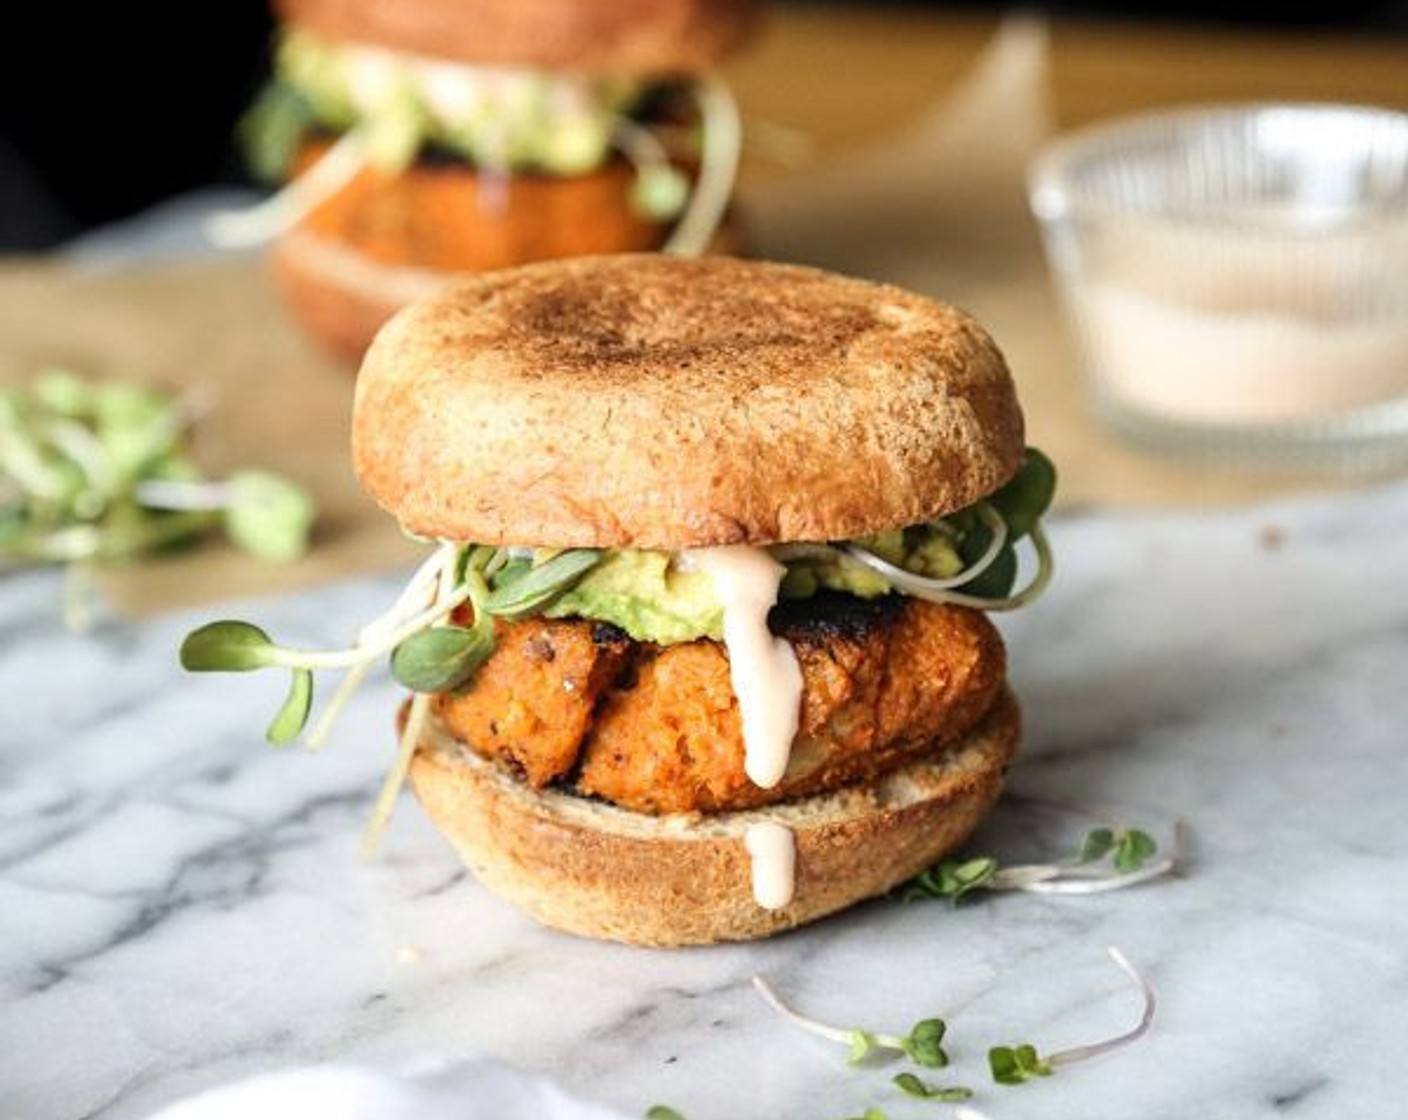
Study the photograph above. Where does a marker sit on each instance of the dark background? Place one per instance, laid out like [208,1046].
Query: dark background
[109,108]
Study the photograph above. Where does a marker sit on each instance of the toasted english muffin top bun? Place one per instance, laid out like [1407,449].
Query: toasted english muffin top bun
[642,401]
[615,36]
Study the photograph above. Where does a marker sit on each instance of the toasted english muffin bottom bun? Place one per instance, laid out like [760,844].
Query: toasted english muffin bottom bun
[585,36]
[596,870]
[643,401]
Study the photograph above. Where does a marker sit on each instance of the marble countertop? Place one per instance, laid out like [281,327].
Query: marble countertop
[181,905]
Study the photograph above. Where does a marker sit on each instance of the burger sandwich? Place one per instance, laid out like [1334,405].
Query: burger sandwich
[428,137]
[703,651]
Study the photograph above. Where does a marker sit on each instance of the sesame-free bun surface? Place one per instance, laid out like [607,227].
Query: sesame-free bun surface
[592,869]
[610,36]
[657,402]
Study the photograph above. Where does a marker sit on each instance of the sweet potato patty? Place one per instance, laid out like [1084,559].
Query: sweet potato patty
[447,215]
[656,729]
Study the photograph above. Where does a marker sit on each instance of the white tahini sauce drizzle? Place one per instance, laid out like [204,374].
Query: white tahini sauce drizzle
[773,851]
[766,677]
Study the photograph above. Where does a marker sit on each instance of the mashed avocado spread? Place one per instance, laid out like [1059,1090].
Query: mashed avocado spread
[509,119]
[647,596]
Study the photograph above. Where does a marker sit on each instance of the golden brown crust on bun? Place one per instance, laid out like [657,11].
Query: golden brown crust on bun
[599,871]
[623,36]
[659,402]
[381,241]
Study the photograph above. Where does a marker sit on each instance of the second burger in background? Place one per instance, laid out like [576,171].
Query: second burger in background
[432,137]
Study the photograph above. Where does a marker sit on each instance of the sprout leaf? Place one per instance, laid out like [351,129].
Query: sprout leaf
[914,1086]
[1098,843]
[227,646]
[513,598]
[924,1044]
[1012,1065]
[442,658]
[1027,494]
[292,717]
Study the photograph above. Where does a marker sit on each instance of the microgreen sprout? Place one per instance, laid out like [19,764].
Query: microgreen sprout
[871,1113]
[951,879]
[428,653]
[95,473]
[914,1086]
[983,539]
[662,1112]
[923,1044]
[1109,858]
[1013,1065]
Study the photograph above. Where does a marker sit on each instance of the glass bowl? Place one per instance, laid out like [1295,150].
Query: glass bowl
[1237,278]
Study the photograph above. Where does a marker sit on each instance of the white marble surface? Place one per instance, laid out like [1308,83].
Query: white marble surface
[181,905]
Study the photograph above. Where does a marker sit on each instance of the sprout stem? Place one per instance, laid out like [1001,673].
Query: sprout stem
[843,1035]
[1045,566]
[385,641]
[396,776]
[718,168]
[1077,878]
[445,592]
[814,1026]
[322,727]
[419,590]
[641,147]
[940,590]
[1146,1017]
[21,460]
[183,496]
[66,545]
[240,229]
[906,580]
[1080,880]
[83,447]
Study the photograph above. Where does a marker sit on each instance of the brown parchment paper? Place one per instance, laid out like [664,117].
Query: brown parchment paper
[937,204]
[265,397]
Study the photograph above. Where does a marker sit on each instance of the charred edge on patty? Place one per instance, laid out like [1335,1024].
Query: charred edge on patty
[832,615]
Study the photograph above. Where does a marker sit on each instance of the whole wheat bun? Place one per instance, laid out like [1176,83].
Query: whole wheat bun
[599,871]
[643,401]
[620,36]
